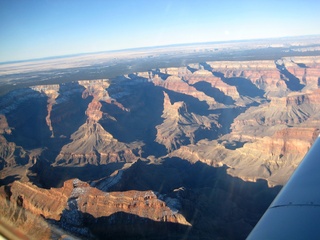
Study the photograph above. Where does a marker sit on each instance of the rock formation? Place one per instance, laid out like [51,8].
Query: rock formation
[215,82]
[91,143]
[179,126]
[70,204]
[306,69]
[263,74]
[52,92]
[4,127]
[175,83]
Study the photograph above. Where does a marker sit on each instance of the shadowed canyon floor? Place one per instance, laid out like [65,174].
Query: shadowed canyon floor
[190,152]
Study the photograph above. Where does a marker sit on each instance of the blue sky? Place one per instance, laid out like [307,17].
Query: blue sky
[33,29]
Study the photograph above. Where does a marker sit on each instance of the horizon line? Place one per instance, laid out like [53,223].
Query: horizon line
[152,47]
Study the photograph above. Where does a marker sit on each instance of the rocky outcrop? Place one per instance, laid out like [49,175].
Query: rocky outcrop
[249,119]
[272,158]
[179,126]
[91,144]
[21,223]
[175,83]
[48,203]
[10,154]
[97,89]
[264,74]
[176,71]
[272,139]
[52,92]
[215,82]
[4,127]
[306,69]
[69,203]
[276,156]
[294,110]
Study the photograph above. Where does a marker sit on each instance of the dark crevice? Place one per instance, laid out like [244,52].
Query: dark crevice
[213,92]
[292,82]
[244,86]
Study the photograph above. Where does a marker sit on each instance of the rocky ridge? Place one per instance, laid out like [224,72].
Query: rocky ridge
[71,204]
[263,74]
[175,83]
[91,143]
[179,126]
[52,92]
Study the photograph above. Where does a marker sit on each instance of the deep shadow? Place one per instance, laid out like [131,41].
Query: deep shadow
[46,176]
[119,225]
[233,145]
[28,122]
[293,82]
[192,69]
[226,118]
[218,74]
[244,86]
[123,225]
[8,180]
[216,204]
[206,66]
[302,65]
[214,92]
[163,76]
[145,106]
[193,104]
[203,133]
[69,112]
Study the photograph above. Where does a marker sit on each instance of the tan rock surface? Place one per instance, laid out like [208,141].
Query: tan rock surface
[179,126]
[216,82]
[52,92]
[91,144]
[76,194]
[264,74]
[175,83]
[307,69]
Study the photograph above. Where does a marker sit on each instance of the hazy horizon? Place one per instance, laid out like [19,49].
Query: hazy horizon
[34,30]
[152,47]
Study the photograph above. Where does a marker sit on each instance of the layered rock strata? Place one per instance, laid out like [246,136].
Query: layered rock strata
[179,125]
[75,195]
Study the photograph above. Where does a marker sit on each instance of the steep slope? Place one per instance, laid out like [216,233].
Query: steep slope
[176,84]
[52,92]
[272,158]
[91,143]
[271,139]
[77,207]
[263,74]
[216,83]
[294,110]
[306,69]
[179,126]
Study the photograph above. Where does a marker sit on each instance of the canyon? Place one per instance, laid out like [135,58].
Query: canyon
[198,149]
